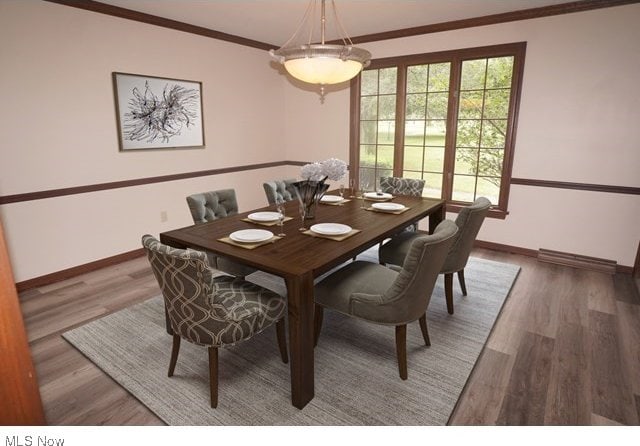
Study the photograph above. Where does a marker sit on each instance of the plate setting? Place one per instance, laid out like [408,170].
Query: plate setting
[330,229]
[388,207]
[377,195]
[264,216]
[251,235]
[331,199]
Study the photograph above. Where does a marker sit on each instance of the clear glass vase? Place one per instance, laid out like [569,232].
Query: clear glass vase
[309,193]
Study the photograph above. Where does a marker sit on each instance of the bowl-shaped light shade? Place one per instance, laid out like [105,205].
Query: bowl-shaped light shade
[323,70]
[323,64]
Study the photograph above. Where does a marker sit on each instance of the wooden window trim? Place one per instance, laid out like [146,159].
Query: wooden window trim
[455,57]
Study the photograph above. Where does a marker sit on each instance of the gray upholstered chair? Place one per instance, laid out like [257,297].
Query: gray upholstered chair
[403,186]
[210,206]
[279,190]
[381,295]
[208,308]
[469,221]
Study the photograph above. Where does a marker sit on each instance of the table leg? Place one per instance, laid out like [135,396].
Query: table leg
[436,217]
[300,308]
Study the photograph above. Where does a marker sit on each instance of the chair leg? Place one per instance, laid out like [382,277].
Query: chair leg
[461,280]
[401,349]
[174,354]
[213,375]
[425,331]
[282,340]
[167,321]
[318,313]
[448,291]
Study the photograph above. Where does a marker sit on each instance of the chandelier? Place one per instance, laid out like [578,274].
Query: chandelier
[321,63]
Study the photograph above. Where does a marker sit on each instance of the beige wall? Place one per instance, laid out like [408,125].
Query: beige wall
[579,115]
[59,130]
[578,122]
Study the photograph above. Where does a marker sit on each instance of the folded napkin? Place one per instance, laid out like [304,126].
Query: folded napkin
[337,238]
[266,223]
[227,240]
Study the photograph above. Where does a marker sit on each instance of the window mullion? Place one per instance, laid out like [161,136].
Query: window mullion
[452,125]
[401,97]
[354,137]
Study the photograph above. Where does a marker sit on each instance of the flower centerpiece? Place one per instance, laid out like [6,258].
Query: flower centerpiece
[313,185]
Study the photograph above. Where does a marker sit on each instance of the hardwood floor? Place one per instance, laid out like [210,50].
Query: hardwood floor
[564,351]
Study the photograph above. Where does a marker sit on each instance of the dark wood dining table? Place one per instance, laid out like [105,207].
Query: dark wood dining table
[299,258]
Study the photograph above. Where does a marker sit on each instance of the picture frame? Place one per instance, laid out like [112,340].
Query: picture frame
[158,113]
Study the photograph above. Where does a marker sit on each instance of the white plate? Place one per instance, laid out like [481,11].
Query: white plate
[388,206]
[331,198]
[251,235]
[264,216]
[330,229]
[378,196]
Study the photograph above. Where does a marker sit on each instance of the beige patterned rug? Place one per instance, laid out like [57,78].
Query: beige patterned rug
[356,374]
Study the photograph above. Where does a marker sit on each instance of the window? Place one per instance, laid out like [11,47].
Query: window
[448,118]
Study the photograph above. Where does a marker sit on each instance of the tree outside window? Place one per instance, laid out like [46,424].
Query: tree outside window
[448,118]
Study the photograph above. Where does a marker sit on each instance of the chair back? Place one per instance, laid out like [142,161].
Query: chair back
[469,221]
[185,280]
[411,292]
[402,186]
[209,206]
[279,190]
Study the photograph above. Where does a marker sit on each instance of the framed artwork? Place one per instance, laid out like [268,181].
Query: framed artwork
[158,113]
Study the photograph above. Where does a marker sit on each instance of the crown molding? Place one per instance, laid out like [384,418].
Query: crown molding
[523,14]
[124,13]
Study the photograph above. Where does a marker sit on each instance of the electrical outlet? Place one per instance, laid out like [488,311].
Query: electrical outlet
[163,216]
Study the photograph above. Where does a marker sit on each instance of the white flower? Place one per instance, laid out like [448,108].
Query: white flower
[313,172]
[333,169]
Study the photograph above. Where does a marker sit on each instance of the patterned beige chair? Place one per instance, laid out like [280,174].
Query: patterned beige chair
[279,190]
[469,221]
[403,186]
[381,295]
[210,206]
[209,308]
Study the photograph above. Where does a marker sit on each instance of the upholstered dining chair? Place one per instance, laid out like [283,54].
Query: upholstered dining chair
[469,221]
[279,190]
[210,206]
[378,294]
[403,186]
[209,308]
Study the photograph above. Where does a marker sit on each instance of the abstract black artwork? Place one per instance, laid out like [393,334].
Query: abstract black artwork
[158,113]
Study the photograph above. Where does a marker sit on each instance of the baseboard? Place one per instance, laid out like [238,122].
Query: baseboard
[577,261]
[623,269]
[506,248]
[78,270]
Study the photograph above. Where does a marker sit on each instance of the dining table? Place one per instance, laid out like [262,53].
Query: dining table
[302,256]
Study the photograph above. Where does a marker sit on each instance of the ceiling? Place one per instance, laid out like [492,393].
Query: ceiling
[274,21]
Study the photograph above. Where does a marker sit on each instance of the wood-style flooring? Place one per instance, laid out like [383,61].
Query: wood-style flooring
[564,351]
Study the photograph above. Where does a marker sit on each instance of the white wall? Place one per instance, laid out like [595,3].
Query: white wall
[579,115]
[58,130]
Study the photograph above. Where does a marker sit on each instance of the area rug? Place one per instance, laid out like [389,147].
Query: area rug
[356,373]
